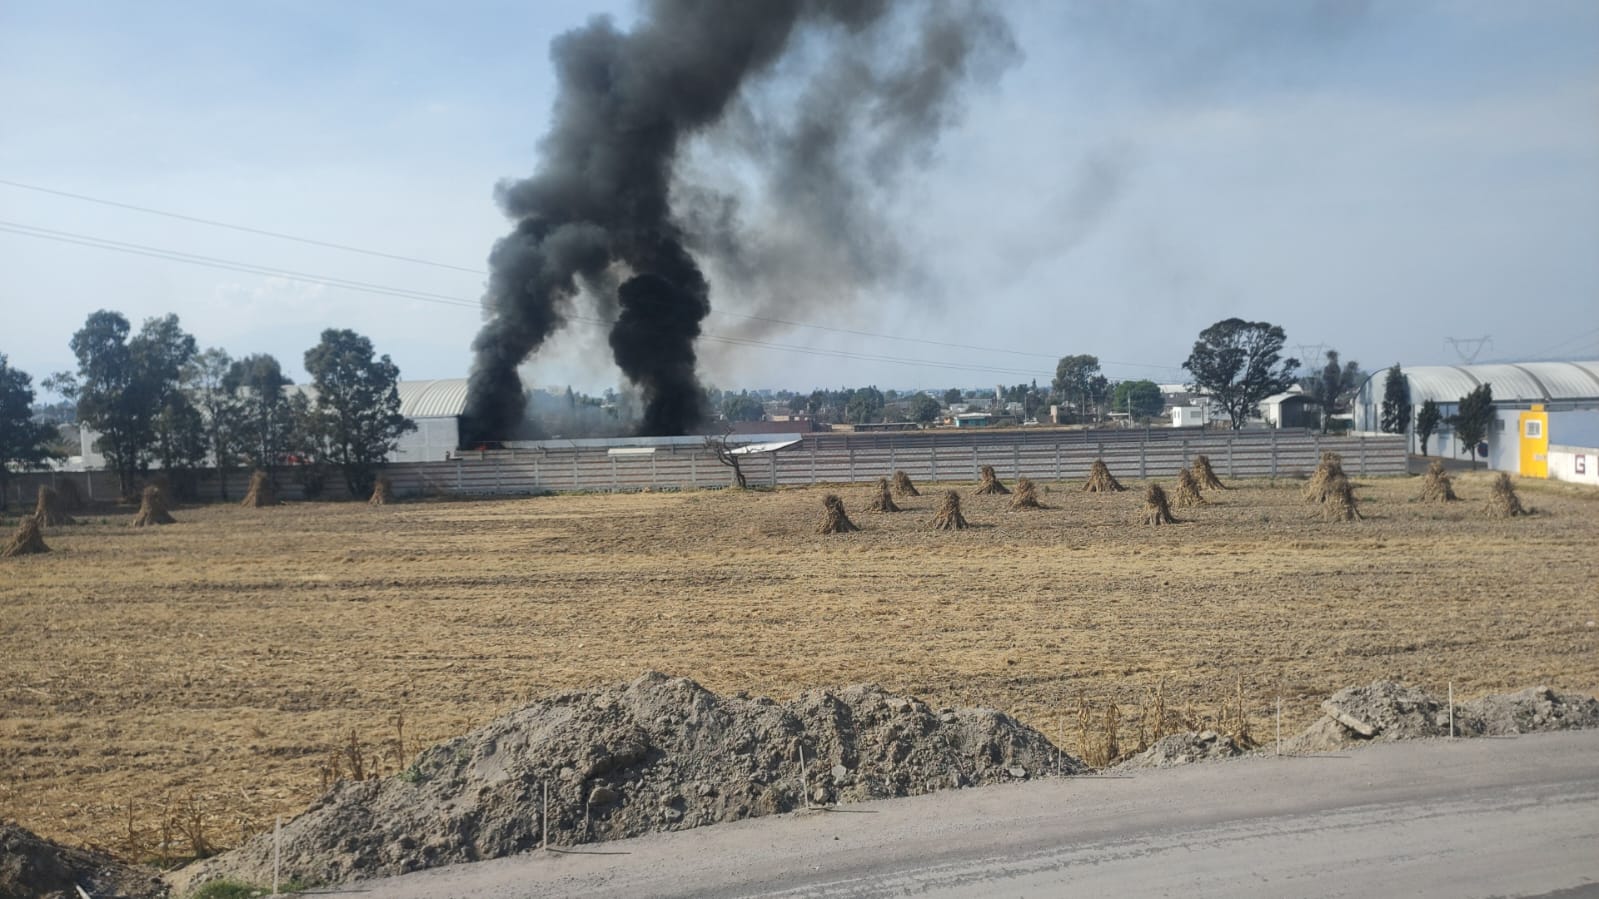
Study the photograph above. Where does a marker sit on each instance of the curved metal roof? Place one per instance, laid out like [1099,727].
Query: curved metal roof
[1513,382]
[444,398]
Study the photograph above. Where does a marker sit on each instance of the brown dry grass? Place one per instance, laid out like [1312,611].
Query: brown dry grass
[217,665]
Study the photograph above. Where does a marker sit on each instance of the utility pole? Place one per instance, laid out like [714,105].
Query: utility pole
[1469,348]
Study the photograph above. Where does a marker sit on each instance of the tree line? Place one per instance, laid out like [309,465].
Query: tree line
[157,400]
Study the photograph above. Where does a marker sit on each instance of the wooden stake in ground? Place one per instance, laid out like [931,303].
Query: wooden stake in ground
[834,520]
[1100,479]
[990,483]
[382,492]
[1156,509]
[1188,491]
[28,539]
[882,499]
[1340,504]
[903,485]
[949,517]
[1026,495]
[1206,475]
[49,509]
[1503,502]
[1321,481]
[153,508]
[261,492]
[1436,487]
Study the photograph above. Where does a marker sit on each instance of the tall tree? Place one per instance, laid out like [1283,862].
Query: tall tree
[1427,421]
[953,396]
[1240,363]
[1332,387]
[123,384]
[864,404]
[1395,403]
[1074,381]
[922,408]
[357,405]
[1140,399]
[264,418]
[24,443]
[205,381]
[742,407]
[1475,415]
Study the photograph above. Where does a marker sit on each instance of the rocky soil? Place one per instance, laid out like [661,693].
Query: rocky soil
[32,867]
[1183,749]
[1386,710]
[659,753]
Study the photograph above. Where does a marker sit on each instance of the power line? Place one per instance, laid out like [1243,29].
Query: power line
[475,271]
[246,229]
[401,293]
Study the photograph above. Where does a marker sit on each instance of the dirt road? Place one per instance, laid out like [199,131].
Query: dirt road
[1487,817]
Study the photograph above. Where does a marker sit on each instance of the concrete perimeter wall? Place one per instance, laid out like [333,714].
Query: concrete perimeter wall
[928,457]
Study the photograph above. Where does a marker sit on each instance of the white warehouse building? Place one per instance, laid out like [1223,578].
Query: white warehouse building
[1541,410]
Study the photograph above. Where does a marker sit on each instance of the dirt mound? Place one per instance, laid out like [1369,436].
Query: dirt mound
[1100,480]
[32,867]
[882,498]
[657,754]
[949,517]
[990,483]
[904,486]
[1390,711]
[1184,748]
[27,541]
[834,520]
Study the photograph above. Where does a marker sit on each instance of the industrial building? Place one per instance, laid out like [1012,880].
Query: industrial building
[1546,414]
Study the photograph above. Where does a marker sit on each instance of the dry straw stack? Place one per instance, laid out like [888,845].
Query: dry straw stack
[834,520]
[1156,508]
[1100,479]
[1502,501]
[50,510]
[28,539]
[882,499]
[949,517]
[1026,495]
[1340,503]
[1187,491]
[153,508]
[1437,487]
[261,492]
[1206,475]
[903,485]
[990,483]
[382,493]
[1319,490]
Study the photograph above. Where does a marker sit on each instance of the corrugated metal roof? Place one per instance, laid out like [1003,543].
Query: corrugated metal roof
[1513,382]
[444,398]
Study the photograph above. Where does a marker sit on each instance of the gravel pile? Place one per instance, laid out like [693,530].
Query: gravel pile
[657,754]
[1185,748]
[1389,711]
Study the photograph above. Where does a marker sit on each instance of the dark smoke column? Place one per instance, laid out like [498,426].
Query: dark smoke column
[598,206]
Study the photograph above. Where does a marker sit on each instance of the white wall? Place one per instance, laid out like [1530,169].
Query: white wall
[1563,464]
[434,440]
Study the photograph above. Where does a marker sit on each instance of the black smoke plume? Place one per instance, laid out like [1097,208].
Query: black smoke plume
[599,210]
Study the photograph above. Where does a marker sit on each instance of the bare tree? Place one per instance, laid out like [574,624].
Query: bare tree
[719,445]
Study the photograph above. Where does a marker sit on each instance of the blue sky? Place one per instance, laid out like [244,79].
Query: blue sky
[1372,176]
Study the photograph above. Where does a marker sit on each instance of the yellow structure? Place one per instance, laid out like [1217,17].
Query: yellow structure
[1534,426]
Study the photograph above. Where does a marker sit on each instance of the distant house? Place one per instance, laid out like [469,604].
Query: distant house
[1292,409]
[1187,417]
[973,420]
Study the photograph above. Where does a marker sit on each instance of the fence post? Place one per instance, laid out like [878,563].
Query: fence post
[1273,453]
[613,474]
[1016,459]
[574,468]
[1143,458]
[772,456]
[694,469]
[496,474]
[458,463]
[1057,460]
[852,464]
[932,460]
[976,469]
[1231,472]
[813,461]
[1362,454]
[1185,452]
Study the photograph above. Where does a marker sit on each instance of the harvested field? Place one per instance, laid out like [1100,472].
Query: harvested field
[214,665]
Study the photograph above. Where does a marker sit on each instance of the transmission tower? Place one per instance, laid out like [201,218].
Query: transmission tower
[1311,355]
[1469,348]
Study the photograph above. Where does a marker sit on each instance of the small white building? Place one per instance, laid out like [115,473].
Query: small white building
[1187,417]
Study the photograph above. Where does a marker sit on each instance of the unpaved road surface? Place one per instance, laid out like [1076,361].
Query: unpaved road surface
[1487,817]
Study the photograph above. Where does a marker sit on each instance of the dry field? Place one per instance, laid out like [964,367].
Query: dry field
[209,668]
